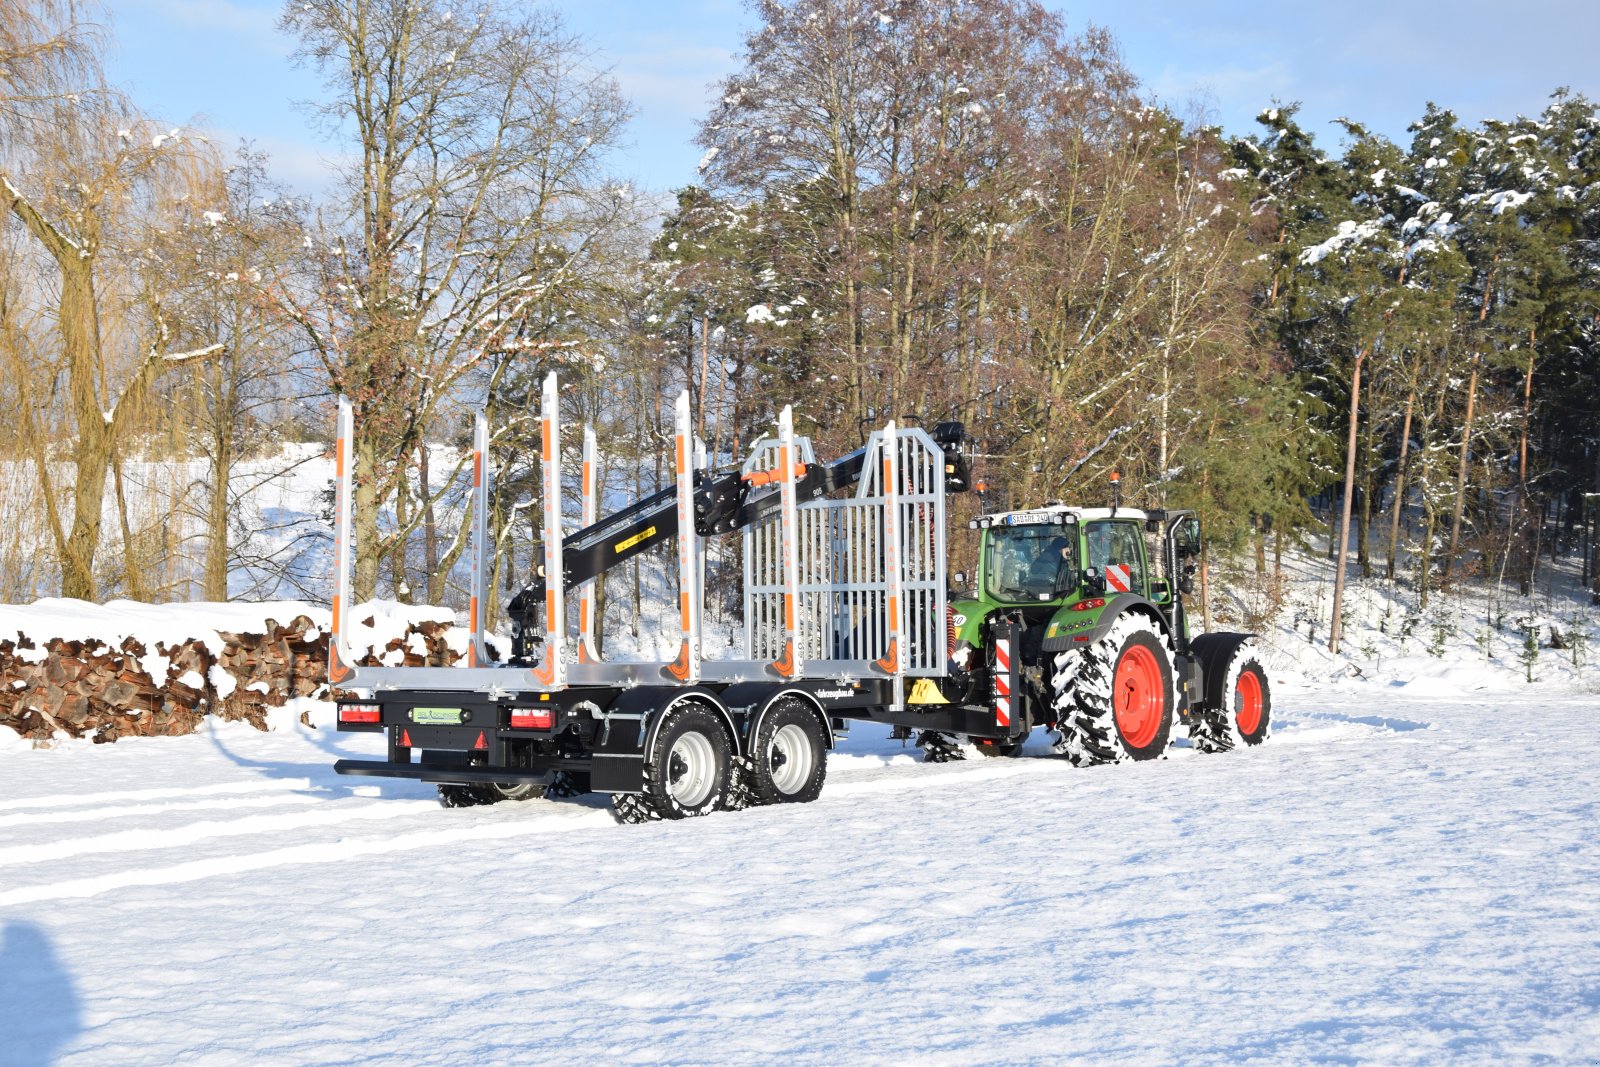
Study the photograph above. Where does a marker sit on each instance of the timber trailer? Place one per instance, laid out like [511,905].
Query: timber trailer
[1075,623]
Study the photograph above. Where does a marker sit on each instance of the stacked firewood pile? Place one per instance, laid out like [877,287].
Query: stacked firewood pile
[89,689]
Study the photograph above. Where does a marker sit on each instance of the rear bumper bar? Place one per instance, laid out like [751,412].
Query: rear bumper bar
[447,775]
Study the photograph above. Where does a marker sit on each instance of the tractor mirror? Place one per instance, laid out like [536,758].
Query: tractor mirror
[1094,582]
[961,579]
[1186,539]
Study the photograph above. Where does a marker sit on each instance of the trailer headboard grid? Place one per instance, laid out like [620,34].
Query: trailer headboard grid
[843,604]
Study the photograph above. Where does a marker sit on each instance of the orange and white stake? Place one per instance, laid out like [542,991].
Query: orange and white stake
[591,510]
[552,674]
[789,665]
[894,660]
[686,668]
[477,653]
[339,659]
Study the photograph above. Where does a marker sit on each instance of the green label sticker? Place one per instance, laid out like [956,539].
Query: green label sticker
[436,716]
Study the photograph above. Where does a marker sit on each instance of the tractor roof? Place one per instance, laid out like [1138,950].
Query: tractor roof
[1049,515]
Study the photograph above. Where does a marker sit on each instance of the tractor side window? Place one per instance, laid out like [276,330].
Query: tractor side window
[1118,544]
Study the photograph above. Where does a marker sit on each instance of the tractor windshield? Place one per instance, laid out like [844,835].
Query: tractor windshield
[1030,562]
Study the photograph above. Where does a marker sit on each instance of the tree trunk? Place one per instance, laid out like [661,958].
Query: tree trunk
[364,500]
[1336,627]
[223,428]
[1461,477]
[1400,483]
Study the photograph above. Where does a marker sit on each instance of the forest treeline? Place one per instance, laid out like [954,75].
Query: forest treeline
[916,210]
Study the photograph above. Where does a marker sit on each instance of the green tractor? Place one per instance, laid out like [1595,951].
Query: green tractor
[1076,622]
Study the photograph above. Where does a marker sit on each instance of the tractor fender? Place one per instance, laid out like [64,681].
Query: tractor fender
[1213,652]
[1115,608]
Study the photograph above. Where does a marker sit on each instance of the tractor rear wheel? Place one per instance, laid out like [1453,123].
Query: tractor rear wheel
[1114,700]
[1245,717]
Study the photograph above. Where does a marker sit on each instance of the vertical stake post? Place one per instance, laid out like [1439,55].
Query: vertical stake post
[591,509]
[686,668]
[894,660]
[340,666]
[552,674]
[791,664]
[477,603]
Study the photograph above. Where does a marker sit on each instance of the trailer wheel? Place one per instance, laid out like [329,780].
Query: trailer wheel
[687,769]
[1245,718]
[789,757]
[565,784]
[517,790]
[1114,700]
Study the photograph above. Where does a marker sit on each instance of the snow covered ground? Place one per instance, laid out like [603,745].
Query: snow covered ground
[1390,879]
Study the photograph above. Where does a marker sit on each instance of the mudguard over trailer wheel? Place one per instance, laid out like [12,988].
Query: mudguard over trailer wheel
[1115,699]
[789,755]
[1238,708]
[687,770]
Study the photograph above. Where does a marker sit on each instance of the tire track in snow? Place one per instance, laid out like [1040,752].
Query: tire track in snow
[43,818]
[319,852]
[857,781]
[273,785]
[148,840]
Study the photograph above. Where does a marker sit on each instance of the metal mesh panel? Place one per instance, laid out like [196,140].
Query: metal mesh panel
[843,607]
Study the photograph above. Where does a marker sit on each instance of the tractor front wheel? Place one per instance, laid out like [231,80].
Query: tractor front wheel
[1114,700]
[1245,715]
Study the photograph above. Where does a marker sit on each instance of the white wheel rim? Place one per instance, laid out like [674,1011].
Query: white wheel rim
[790,759]
[691,769]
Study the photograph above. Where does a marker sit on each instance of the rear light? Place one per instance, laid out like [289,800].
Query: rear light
[360,713]
[1089,605]
[531,718]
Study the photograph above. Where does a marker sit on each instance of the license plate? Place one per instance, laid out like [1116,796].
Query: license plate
[436,716]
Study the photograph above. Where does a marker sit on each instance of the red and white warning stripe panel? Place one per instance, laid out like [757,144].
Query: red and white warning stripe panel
[1119,578]
[1002,682]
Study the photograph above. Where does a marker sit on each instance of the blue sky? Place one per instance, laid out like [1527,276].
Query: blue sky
[224,62]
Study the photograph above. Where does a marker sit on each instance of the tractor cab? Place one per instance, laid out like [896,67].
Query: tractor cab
[1048,556]
[1062,570]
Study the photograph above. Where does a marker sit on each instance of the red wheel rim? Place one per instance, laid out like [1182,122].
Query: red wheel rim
[1139,696]
[1247,702]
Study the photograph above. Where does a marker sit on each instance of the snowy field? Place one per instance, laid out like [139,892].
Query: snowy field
[1390,879]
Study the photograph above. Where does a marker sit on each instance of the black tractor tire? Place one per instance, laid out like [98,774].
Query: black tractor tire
[788,756]
[1116,699]
[469,795]
[1245,717]
[687,772]
[564,784]
[940,748]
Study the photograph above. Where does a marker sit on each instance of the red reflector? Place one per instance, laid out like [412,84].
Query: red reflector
[405,738]
[1081,637]
[1088,605]
[480,742]
[531,719]
[360,713]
